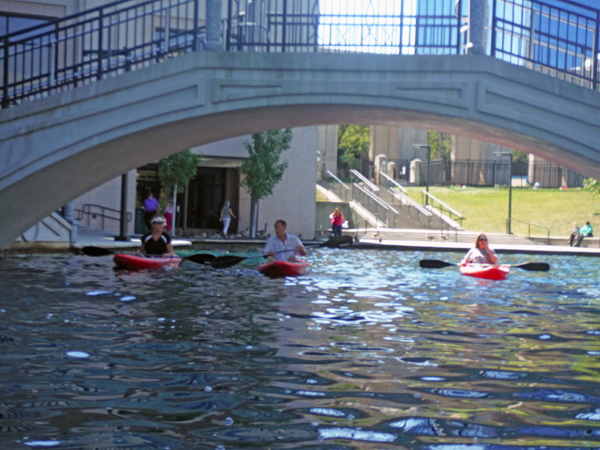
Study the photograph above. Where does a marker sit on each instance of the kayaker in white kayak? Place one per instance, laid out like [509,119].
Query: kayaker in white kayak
[481,254]
[283,246]
[157,242]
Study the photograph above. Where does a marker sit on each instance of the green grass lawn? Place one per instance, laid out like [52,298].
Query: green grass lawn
[486,209]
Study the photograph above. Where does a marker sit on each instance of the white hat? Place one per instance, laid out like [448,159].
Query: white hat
[158,219]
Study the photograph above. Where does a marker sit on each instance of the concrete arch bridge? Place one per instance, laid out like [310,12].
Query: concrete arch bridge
[55,149]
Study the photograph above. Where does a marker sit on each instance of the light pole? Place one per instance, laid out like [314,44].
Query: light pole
[509,154]
[428,147]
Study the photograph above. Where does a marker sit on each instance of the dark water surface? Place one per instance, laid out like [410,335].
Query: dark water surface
[368,351]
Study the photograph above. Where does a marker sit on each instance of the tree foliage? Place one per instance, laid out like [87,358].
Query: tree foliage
[178,170]
[262,169]
[519,156]
[440,144]
[353,145]
[591,185]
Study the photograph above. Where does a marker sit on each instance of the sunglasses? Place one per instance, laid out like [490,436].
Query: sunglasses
[483,239]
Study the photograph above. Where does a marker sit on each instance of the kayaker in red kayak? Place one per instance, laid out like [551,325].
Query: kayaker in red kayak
[283,246]
[157,242]
[481,254]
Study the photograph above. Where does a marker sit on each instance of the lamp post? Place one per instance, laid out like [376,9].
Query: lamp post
[428,147]
[509,154]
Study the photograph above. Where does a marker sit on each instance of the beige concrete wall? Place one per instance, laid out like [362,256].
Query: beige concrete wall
[46,8]
[327,147]
[294,198]
[397,142]
[109,196]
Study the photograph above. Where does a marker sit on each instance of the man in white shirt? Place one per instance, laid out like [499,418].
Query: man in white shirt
[283,246]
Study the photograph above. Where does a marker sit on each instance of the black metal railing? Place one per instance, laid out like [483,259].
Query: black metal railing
[491,173]
[100,43]
[559,38]
[92,214]
[556,37]
[385,26]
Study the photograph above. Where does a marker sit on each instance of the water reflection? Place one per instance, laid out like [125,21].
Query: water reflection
[367,351]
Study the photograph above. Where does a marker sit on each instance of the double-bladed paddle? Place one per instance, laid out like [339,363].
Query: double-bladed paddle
[200,258]
[223,262]
[533,266]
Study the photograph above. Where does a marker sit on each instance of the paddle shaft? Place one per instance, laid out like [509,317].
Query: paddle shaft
[224,262]
[202,258]
[532,266]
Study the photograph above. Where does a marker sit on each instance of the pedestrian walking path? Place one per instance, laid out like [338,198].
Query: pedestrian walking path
[431,240]
[373,238]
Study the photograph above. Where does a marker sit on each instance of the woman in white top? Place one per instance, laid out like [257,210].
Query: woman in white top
[481,254]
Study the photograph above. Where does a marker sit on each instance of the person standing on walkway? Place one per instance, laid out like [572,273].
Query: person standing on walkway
[585,231]
[574,234]
[169,215]
[226,215]
[151,209]
[481,254]
[337,219]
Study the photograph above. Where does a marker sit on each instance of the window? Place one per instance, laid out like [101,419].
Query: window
[11,23]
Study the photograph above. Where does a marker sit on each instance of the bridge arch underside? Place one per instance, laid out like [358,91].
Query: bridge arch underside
[56,149]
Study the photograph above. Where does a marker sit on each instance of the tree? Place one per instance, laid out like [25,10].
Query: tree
[175,173]
[591,185]
[519,156]
[262,169]
[440,144]
[353,145]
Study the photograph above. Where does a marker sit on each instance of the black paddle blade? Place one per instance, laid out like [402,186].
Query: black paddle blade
[539,267]
[434,264]
[201,258]
[338,242]
[96,251]
[223,262]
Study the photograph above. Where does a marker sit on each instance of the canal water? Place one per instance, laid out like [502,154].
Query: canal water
[368,351]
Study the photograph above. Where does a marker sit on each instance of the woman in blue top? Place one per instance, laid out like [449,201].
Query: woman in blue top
[226,215]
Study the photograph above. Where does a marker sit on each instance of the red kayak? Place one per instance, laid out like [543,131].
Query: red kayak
[279,269]
[131,262]
[485,271]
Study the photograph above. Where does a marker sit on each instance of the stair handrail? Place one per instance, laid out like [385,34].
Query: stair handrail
[451,210]
[364,179]
[87,209]
[394,182]
[337,179]
[386,205]
[529,225]
[411,202]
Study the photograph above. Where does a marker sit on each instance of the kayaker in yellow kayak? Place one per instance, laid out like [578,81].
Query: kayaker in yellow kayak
[157,242]
[283,246]
[481,254]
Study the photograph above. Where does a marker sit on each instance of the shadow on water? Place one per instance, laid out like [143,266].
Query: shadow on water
[368,351]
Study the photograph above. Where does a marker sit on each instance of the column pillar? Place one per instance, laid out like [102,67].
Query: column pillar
[478,16]
[213,42]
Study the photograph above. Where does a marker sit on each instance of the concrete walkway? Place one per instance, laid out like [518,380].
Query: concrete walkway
[462,241]
[401,240]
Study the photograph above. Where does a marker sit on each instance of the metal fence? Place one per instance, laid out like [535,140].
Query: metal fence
[384,26]
[99,43]
[485,173]
[558,38]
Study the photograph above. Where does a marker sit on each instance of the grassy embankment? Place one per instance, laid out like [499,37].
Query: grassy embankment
[486,209]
